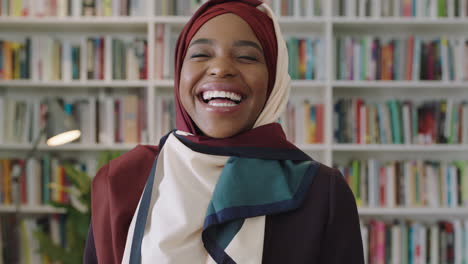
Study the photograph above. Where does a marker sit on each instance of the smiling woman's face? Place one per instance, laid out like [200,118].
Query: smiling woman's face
[224,77]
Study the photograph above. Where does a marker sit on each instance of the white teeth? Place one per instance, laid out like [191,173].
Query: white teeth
[222,104]
[208,95]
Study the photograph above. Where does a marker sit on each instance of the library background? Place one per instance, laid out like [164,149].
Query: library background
[379,91]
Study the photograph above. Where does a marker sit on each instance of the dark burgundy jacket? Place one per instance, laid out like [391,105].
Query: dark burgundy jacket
[324,230]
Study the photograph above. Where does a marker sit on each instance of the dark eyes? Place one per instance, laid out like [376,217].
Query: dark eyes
[243,58]
[199,55]
[250,58]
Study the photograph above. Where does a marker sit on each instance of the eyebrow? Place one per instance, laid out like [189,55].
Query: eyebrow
[240,43]
[237,43]
[201,41]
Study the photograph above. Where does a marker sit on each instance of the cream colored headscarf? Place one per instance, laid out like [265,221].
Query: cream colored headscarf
[280,93]
[183,186]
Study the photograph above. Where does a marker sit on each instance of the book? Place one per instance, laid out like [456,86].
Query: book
[414,241]
[406,183]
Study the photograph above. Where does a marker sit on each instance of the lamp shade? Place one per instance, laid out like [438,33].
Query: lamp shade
[61,127]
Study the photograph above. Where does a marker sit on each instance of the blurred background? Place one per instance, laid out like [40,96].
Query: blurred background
[379,91]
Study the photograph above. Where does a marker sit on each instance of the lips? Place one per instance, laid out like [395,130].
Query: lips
[221,94]
[214,95]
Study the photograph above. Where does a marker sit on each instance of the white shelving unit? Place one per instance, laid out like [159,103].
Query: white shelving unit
[414,212]
[327,25]
[30,210]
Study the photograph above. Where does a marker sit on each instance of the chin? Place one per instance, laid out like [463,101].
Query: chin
[222,133]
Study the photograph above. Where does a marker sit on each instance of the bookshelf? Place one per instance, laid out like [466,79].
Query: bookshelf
[327,26]
[31,210]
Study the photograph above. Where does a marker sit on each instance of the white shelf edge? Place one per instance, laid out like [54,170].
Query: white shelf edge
[73,84]
[171,19]
[439,212]
[31,209]
[97,147]
[398,147]
[283,20]
[69,147]
[308,84]
[397,21]
[399,84]
[163,83]
[72,20]
[294,83]
[312,147]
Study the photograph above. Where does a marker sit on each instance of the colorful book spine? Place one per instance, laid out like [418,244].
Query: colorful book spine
[410,183]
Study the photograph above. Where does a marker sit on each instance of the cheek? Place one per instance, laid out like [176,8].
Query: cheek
[258,81]
[188,78]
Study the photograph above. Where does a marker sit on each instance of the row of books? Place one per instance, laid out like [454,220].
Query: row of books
[302,8]
[306,55]
[46,58]
[130,59]
[401,58]
[412,242]
[42,182]
[18,243]
[403,8]
[303,121]
[105,119]
[165,115]
[407,183]
[297,8]
[395,121]
[15,59]
[76,8]
[306,58]
[165,43]
[177,7]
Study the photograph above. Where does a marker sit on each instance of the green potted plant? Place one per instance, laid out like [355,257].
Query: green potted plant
[78,215]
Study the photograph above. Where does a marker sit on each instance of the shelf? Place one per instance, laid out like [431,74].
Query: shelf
[414,212]
[283,21]
[398,147]
[140,23]
[363,21]
[294,84]
[407,24]
[164,83]
[312,147]
[74,23]
[72,84]
[400,84]
[68,147]
[173,20]
[307,84]
[358,84]
[29,209]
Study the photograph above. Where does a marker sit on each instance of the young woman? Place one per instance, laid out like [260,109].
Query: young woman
[226,186]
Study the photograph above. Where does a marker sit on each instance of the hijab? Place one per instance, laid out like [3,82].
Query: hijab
[265,26]
[282,172]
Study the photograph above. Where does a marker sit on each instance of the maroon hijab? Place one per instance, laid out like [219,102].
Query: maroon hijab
[263,27]
[113,202]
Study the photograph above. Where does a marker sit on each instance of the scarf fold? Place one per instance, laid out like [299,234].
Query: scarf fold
[247,187]
[264,174]
[278,186]
[263,22]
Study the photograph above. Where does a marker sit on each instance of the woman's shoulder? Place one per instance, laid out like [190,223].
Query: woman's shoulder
[129,165]
[330,180]
[326,171]
[327,187]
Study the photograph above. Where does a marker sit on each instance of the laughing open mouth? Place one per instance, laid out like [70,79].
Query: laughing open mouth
[221,98]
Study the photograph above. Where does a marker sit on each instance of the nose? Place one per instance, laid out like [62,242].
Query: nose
[222,68]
